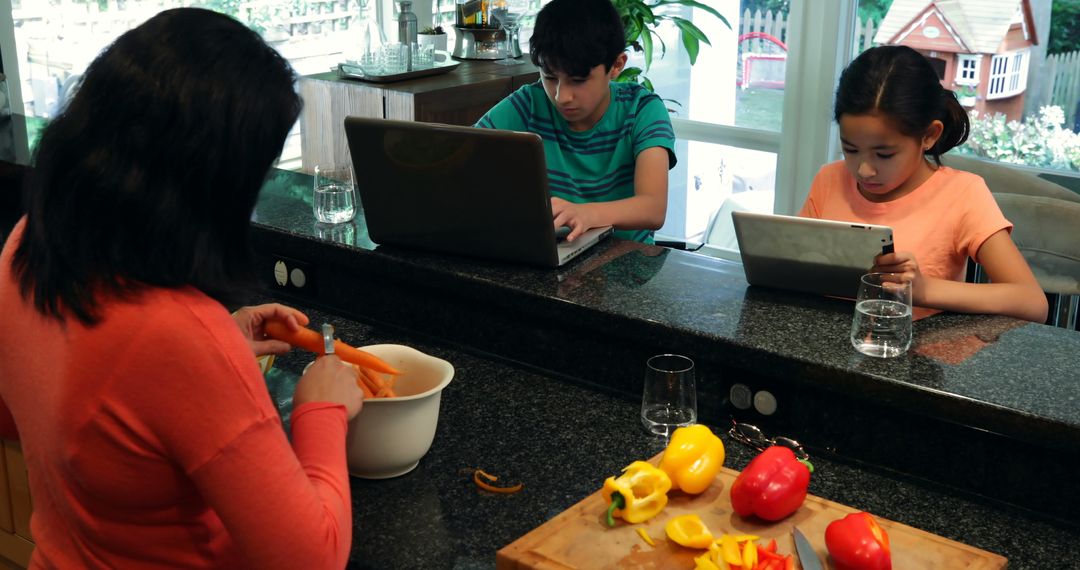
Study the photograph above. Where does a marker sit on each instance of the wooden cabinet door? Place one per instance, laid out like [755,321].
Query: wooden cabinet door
[16,542]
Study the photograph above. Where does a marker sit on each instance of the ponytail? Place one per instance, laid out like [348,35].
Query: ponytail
[956,126]
[895,80]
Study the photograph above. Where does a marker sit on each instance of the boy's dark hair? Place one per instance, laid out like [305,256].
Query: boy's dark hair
[574,36]
[902,84]
[151,172]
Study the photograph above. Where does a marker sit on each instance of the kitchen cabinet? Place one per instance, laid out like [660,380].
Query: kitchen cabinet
[459,97]
[16,543]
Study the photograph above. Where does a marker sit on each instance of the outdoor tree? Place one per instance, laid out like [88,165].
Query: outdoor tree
[1064,26]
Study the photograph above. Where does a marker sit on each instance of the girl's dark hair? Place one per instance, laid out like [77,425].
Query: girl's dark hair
[150,174]
[574,36]
[902,84]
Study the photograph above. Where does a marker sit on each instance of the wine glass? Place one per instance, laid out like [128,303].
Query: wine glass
[509,13]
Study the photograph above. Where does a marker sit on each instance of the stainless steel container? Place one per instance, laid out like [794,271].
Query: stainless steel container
[481,43]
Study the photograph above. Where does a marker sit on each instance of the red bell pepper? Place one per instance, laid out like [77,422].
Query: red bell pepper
[772,486]
[857,542]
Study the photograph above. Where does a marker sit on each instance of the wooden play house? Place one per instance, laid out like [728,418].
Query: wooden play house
[980,48]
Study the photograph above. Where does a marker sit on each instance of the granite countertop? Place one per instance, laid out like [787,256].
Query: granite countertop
[562,439]
[982,403]
[965,360]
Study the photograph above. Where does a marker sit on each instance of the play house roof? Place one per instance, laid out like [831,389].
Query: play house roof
[978,25]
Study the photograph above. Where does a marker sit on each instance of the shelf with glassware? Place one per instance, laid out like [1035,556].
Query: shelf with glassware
[458,98]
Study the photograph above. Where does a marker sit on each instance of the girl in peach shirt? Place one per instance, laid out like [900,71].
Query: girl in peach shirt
[896,120]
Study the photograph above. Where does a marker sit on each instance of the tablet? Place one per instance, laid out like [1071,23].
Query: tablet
[826,257]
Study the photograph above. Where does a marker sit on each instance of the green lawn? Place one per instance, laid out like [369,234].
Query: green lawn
[757,108]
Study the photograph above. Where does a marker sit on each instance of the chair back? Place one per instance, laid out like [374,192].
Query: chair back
[1000,178]
[1047,233]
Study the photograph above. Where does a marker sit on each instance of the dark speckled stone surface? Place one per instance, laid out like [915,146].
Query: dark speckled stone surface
[984,404]
[562,439]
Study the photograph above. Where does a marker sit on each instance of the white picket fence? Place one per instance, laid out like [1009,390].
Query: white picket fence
[1062,74]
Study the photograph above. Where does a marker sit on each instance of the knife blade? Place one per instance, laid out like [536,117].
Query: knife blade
[808,559]
[328,338]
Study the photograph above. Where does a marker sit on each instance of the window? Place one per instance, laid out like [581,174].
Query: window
[1008,75]
[967,69]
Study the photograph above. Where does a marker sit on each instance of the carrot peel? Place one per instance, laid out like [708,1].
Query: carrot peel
[479,477]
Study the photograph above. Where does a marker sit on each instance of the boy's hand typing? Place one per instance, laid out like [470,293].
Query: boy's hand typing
[578,217]
[907,266]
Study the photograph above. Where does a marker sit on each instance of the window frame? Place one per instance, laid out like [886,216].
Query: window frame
[807,138]
[963,58]
[1011,79]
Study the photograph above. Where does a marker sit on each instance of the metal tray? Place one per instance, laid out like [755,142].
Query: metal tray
[443,64]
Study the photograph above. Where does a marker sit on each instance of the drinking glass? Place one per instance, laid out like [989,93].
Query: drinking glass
[334,201]
[669,399]
[508,13]
[881,326]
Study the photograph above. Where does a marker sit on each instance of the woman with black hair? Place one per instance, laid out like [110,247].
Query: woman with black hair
[896,120]
[149,435]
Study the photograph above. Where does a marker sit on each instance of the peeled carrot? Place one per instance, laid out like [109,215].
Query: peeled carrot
[364,388]
[370,379]
[312,341]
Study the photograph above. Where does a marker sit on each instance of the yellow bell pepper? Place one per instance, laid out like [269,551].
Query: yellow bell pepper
[689,531]
[693,458]
[638,494]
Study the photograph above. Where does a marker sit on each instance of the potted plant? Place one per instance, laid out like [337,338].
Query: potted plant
[640,19]
[433,36]
[966,95]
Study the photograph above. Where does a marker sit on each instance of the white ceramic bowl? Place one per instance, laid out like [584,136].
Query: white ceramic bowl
[390,435]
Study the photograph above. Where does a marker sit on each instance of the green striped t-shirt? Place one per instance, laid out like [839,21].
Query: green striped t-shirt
[596,165]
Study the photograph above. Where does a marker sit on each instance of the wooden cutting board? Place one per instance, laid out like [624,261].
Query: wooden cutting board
[579,538]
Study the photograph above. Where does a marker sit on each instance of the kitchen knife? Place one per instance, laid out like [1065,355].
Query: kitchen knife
[808,559]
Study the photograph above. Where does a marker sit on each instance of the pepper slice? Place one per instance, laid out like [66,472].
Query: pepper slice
[479,475]
[692,458]
[689,531]
[638,494]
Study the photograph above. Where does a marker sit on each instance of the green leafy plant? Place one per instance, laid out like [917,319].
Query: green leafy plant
[966,91]
[1037,141]
[432,31]
[641,18]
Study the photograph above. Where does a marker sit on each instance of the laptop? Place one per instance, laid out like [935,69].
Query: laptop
[459,190]
[806,254]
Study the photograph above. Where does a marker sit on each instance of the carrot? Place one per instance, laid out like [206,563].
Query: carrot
[371,378]
[363,387]
[312,341]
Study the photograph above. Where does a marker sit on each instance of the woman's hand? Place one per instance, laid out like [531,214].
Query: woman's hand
[904,264]
[328,379]
[578,217]
[252,320]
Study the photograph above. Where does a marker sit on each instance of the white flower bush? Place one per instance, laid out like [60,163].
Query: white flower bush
[1038,141]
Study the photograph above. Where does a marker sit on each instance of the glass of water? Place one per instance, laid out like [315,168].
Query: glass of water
[669,399]
[334,201]
[881,326]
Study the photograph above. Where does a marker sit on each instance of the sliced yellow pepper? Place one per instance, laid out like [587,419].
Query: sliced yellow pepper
[638,494]
[749,554]
[705,562]
[689,531]
[645,536]
[729,550]
[693,458]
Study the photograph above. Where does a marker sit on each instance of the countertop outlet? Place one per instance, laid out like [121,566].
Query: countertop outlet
[292,276]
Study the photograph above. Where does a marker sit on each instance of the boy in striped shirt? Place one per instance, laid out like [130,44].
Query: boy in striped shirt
[608,145]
